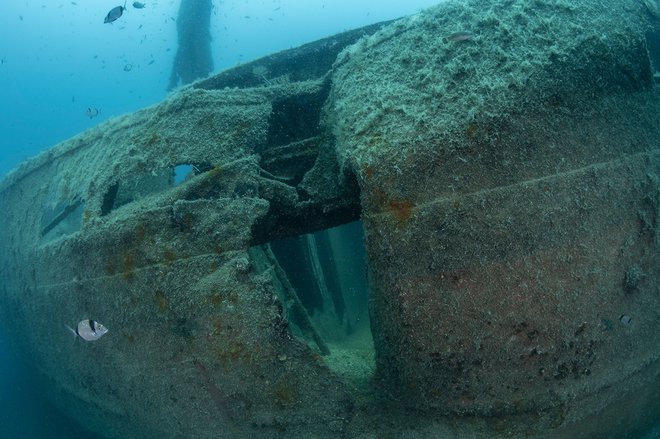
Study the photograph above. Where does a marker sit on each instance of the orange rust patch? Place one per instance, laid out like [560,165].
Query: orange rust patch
[401,209]
[237,350]
[153,139]
[231,352]
[215,171]
[187,221]
[380,201]
[217,326]
[128,266]
[161,301]
[316,357]
[169,256]
[471,130]
[87,215]
[215,299]
[285,394]
[140,232]
[368,171]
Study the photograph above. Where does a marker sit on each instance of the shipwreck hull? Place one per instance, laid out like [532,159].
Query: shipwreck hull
[509,191]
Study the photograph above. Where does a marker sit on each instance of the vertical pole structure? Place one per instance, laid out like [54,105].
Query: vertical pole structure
[193,58]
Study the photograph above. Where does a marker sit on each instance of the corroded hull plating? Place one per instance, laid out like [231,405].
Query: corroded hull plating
[510,194]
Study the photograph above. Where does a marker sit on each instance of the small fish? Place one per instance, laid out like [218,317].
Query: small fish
[88,330]
[114,14]
[138,5]
[460,36]
[128,67]
[92,112]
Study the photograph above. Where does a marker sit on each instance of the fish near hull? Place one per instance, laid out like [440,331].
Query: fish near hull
[166,267]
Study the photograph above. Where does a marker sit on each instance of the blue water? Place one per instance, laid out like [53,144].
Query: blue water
[24,413]
[58,58]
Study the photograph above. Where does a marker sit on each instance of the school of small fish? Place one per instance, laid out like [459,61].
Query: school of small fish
[113,15]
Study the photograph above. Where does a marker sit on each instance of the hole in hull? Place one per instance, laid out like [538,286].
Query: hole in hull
[321,280]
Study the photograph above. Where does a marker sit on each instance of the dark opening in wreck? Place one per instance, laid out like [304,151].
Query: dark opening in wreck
[320,278]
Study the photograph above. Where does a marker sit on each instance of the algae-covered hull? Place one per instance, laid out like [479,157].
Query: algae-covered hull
[509,187]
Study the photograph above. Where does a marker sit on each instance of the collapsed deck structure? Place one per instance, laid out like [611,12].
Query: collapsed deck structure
[504,158]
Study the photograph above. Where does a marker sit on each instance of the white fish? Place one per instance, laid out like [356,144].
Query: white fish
[460,36]
[92,112]
[88,330]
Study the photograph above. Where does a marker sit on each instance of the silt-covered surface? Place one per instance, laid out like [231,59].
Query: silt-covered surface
[507,154]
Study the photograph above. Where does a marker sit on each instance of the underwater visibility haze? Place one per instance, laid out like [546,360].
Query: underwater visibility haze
[58,58]
[330,219]
[61,64]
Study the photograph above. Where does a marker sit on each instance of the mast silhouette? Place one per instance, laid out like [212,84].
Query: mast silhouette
[193,59]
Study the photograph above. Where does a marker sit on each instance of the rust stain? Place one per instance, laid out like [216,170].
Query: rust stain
[401,209]
[161,301]
[285,394]
[140,232]
[215,171]
[169,256]
[87,215]
[471,130]
[187,222]
[368,171]
[128,266]
[215,299]
[153,139]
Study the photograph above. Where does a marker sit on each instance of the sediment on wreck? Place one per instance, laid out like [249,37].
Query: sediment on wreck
[509,184]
